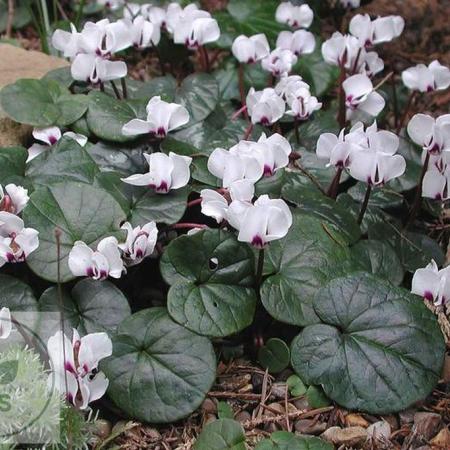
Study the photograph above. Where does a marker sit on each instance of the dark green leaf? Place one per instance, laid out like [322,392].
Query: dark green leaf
[211,275]
[378,349]
[316,397]
[159,370]
[223,434]
[16,295]
[224,411]
[274,355]
[81,212]
[12,163]
[283,440]
[296,386]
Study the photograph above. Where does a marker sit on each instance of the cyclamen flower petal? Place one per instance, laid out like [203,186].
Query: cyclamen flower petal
[213,204]
[69,43]
[231,167]
[432,135]
[179,19]
[13,198]
[250,49]
[295,16]
[279,62]
[373,64]
[140,242]
[436,184]
[427,79]
[432,284]
[265,106]
[197,32]
[290,85]
[302,105]
[16,241]
[162,117]
[49,136]
[74,366]
[5,323]
[166,172]
[344,50]
[95,70]
[99,264]
[143,33]
[299,42]
[359,94]
[266,220]
[372,32]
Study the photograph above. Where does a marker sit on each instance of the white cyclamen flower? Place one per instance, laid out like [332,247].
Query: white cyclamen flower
[377,163]
[162,117]
[265,221]
[74,366]
[166,172]
[265,106]
[421,78]
[5,323]
[157,16]
[299,42]
[133,10]
[140,242]
[95,70]
[176,16]
[433,135]
[372,32]
[436,183]
[295,16]
[144,34]
[16,241]
[432,284]
[344,51]
[373,64]
[99,264]
[13,198]
[103,38]
[69,43]
[302,104]
[290,85]
[279,62]
[359,95]
[250,49]
[231,167]
[196,32]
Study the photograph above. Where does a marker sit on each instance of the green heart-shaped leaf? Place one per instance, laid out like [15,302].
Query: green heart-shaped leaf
[159,371]
[378,349]
[274,355]
[222,434]
[211,275]
[283,440]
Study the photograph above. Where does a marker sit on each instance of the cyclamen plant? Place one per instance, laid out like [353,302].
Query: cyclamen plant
[248,185]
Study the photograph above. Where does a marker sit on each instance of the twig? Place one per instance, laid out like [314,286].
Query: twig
[236,395]
[263,394]
[386,78]
[10,20]
[286,394]
[310,176]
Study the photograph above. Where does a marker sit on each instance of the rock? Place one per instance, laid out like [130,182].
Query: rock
[278,391]
[393,421]
[102,428]
[426,424]
[16,63]
[379,431]
[309,426]
[209,406]
[407,416]
[355,420]
[442,439]
[352,436]
[243,416]
[302,404]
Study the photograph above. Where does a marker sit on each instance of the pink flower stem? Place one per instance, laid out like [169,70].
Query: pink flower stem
[239,112]
[334,185]
[195,202]
[364,204]
[341,112]
[187,226]
[242,90]
[248,131]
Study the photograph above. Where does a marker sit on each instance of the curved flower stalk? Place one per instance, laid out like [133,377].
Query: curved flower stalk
[300,16]
[360,95]
[372,32]
[265,107]
[13,198]
[50,136]
[248,50]
[162,117]
[74,365]
[16,241]
[279,62]
[300,42]
[166,172]
[140,242]
[5,323]
[422,78]
[432,284]
[99,264]
[265,221]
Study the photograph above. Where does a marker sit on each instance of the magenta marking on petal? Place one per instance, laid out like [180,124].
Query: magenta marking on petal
[139,253]
[438,196]
[163,187]
[265,121]
[10,257]
[251,60]
[90,272]
[52,140]
[258,242]
[268,171]
[69,398]
[161,132]
[427,295]
[69,367]
[103,274]
[430,89]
